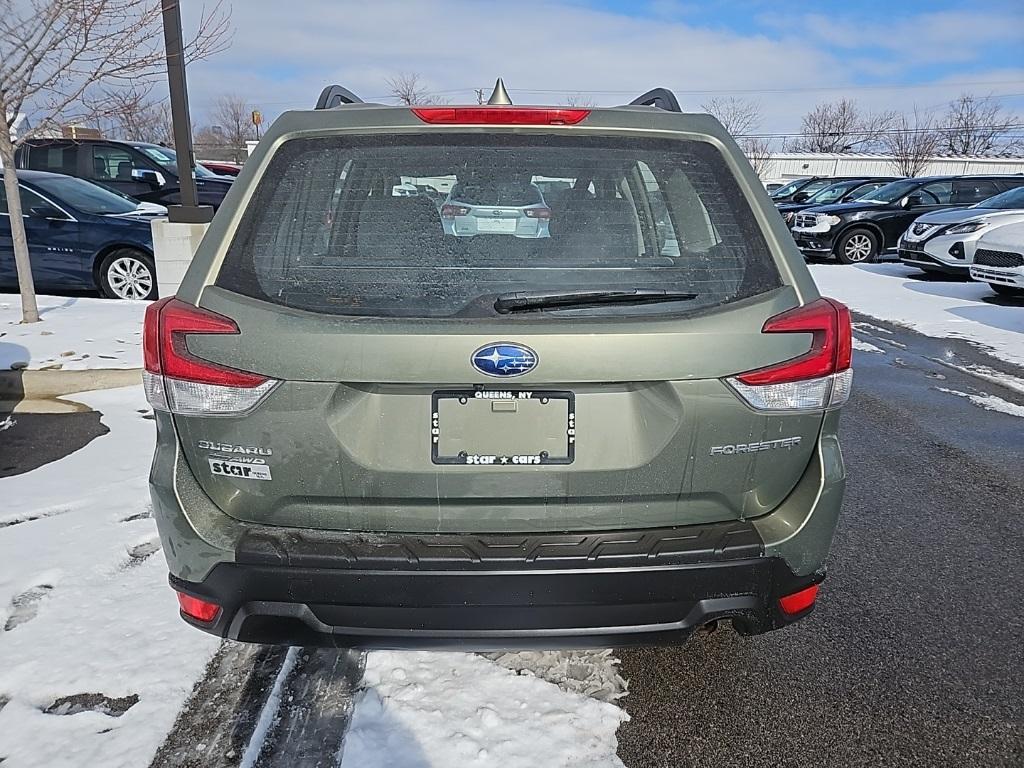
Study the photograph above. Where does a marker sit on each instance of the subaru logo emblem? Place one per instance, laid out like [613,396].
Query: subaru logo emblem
[504,359]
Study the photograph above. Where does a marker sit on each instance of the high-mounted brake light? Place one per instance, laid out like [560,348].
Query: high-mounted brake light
[500,115]
[200,610]
[180,382]
[819,378]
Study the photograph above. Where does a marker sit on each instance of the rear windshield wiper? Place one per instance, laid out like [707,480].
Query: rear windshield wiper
[525,302]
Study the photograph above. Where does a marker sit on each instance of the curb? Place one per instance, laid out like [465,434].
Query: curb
[16,386]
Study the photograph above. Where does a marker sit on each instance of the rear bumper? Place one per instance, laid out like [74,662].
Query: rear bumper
[497,592]
[1011,277]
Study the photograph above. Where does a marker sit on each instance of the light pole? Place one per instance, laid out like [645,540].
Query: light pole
[189,212]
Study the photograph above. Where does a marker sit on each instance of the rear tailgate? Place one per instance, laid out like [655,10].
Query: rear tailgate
[374,321]
[348,435]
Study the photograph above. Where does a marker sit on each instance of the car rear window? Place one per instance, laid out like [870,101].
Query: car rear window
[344,225]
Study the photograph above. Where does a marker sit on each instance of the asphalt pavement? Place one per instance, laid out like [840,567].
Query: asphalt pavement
[914,655]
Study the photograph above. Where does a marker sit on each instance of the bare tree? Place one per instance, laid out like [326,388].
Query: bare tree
[740,117]
[759,152]
[912,140]
[60,60]
[233,114]
[840,126]
[136,115]
[976,125]
[579,100]
[409,88]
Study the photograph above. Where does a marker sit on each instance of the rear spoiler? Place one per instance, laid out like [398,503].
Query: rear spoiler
[335,96]
[661,98]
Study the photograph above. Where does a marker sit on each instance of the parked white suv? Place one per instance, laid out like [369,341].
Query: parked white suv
[999,260]
[945,241]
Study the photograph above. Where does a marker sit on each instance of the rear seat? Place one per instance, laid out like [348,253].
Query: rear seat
[398,227]
[594,227]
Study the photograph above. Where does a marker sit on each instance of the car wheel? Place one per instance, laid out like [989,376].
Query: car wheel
[128,274]
[858,246]
[1007,290]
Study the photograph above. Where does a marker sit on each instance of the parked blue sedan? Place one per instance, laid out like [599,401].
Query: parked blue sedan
[81,236]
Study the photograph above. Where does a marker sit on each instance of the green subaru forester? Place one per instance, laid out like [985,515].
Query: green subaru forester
[494,376]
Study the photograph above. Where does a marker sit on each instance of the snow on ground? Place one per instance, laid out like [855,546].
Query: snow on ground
[74,334]
[939,309]
[866,346]
[87,621]
[988,402]
[435,710]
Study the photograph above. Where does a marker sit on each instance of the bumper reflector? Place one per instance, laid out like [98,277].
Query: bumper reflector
[200,610]
[799,601]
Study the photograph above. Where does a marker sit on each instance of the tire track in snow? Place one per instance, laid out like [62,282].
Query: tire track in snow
[266,707]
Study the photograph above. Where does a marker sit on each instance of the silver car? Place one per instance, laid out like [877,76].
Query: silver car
[494,207]
[945,241]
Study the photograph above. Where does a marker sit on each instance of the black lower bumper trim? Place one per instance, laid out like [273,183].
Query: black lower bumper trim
[513,604]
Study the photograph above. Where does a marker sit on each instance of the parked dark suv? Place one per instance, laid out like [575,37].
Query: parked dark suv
[843,191]
[862,230]
[799,190]
[143,171]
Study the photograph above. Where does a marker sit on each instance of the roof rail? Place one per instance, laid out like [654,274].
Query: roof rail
[662,98]
[335,96]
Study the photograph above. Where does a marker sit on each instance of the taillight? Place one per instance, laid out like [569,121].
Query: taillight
[500,115]
[180,382]
[798,602]
[200,610]
[819,378]
[538,213]
[449,211]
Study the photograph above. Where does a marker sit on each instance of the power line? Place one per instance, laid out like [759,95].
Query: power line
[708,92]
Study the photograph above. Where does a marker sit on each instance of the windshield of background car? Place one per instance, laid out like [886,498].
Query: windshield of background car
[816,186]
[830,193]
[326,231]
[1012,198]
[85,196]
[788,189]
[167,159]
[892,192]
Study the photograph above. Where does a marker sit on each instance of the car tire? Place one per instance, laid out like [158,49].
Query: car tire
[1007,290]
[857,246]
[126,273]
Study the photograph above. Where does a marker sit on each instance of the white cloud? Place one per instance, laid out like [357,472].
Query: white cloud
[281,58]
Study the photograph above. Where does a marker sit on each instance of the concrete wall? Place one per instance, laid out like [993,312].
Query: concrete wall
[174,245]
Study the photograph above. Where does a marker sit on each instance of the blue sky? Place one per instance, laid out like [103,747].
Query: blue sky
[786,56]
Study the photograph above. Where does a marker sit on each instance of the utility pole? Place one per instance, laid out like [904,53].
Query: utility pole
[189,212]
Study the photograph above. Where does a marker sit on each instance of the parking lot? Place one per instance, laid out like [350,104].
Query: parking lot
[565,384]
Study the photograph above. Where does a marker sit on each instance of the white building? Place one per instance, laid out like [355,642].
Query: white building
[784,166]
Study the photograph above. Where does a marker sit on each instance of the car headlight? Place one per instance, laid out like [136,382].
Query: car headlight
[963,229]
[788,215]
[829,219]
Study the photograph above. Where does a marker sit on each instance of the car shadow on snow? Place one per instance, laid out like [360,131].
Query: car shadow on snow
[1005,318]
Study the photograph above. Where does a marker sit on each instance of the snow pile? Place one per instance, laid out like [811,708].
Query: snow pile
[96,662]
[75,334]
[937,309]
[438,710]
[591,673]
